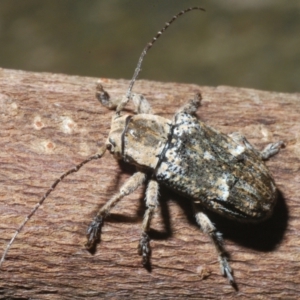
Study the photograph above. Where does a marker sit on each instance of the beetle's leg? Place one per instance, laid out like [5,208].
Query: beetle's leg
[192,106]
[240,139]
[269,150]
[93,232]
[141,104]
[208,227]
[151,204]
[104,97]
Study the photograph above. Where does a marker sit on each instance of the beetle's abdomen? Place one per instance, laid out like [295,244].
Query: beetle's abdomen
[211,168]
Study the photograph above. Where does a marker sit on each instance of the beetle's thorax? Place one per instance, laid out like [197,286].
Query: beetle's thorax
[138,139]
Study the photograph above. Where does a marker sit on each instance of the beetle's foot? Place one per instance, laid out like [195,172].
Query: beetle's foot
[271,150]
[226,270]
[93,232]
[144,248]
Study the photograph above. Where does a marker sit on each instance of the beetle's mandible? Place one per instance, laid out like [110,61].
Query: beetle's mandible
[222,173]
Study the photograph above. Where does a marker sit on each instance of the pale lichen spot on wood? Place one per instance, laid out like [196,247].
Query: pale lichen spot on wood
[84,149]
[44,146]
[67,125]
[49,146]
[13,108]
[38,123]
[265,132]
[7,106]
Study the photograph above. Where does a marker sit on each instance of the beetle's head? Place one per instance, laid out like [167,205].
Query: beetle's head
[114,142]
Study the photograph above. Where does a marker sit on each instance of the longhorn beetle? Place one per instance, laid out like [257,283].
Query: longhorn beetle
[223,173]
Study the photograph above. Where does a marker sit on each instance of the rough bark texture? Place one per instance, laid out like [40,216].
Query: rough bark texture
[50,122]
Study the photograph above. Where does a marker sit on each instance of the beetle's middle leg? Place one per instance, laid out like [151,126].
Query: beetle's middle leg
[93,232]
[151,204]
[208,227]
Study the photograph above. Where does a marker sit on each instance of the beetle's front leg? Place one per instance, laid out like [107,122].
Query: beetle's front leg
[207,227]
[104,97]
[151,204]
[93,232]
[140,103]
[192,105]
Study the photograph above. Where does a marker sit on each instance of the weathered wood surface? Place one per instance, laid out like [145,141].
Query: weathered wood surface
[51,122]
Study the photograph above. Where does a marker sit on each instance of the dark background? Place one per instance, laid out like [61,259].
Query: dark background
[246,43]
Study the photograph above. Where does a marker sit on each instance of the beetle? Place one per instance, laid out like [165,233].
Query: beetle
[218,172]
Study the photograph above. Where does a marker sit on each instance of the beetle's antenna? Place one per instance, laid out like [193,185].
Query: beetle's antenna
[53,186]
[146,49]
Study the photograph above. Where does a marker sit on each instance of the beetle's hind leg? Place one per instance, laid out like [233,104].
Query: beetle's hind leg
[93,232]
[207,227]
[269,151]
[151,204]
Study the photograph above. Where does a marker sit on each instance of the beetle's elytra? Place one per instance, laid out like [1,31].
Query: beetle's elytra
[222,173]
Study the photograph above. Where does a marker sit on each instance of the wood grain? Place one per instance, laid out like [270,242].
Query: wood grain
[51,122]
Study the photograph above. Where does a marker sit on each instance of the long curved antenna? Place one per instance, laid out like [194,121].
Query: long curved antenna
[146,49]
[55,183]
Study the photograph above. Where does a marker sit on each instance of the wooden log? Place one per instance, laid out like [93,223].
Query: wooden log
[51,122]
